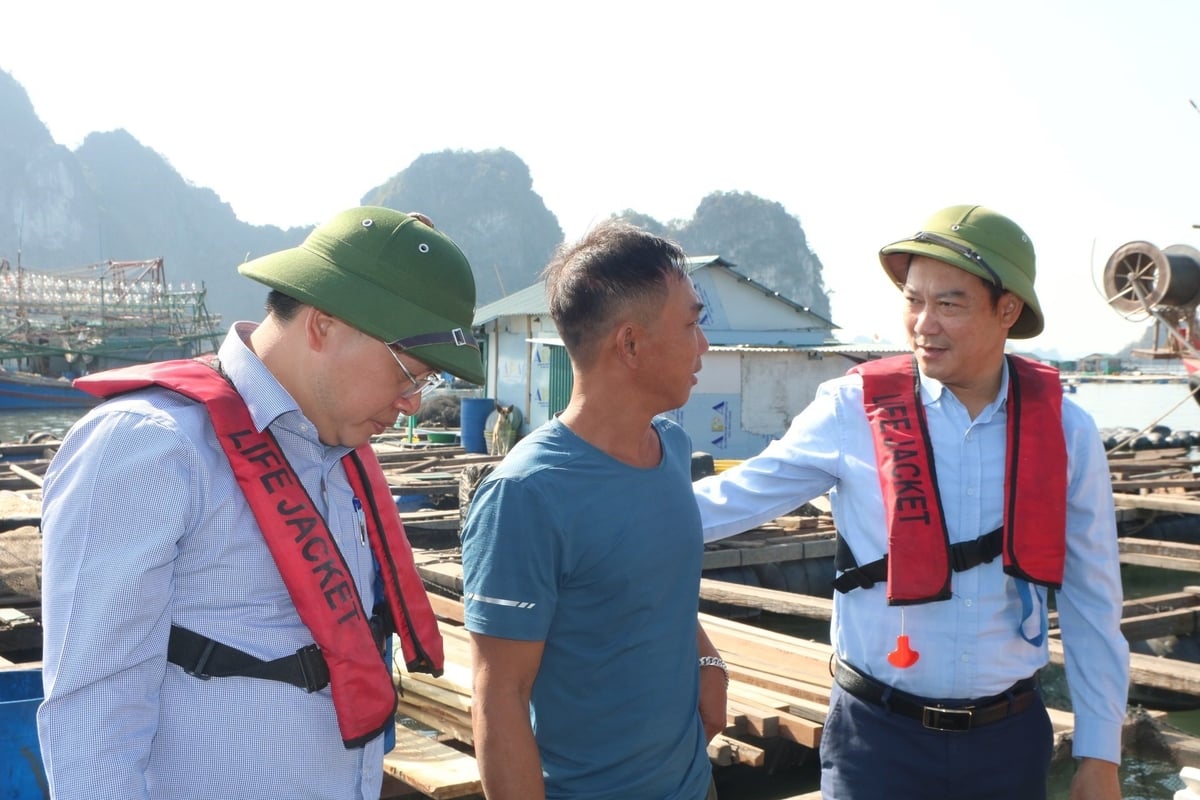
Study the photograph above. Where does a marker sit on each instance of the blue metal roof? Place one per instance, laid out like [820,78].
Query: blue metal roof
[531,301]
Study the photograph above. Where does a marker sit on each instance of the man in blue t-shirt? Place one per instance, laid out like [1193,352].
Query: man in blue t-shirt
[582,552]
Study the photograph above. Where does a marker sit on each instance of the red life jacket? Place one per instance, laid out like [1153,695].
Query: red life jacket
[1035,510]
[313,569]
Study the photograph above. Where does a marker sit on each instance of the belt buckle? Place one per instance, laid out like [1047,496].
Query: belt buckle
[947,719]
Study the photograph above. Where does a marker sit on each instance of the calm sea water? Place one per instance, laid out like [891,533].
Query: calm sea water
[1138,405]
[16,426]
[1112,405]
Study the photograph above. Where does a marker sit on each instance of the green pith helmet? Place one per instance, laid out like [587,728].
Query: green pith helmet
[983,243]
[391,276]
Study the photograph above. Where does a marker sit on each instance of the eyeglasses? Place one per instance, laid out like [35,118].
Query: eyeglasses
[422,387]
[950,244]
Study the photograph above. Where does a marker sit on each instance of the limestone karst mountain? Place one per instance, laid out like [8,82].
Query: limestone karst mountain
[114,198]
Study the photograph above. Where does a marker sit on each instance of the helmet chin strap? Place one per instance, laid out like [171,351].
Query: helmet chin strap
[456,337]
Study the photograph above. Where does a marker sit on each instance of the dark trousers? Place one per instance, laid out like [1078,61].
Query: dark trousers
[869,753]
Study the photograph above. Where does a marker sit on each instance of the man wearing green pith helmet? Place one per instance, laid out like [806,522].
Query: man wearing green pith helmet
[964,486]
[224,566]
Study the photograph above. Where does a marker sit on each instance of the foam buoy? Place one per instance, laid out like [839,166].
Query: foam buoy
[1191,781]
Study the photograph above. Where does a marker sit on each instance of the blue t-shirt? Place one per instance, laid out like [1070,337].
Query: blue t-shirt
[600,561]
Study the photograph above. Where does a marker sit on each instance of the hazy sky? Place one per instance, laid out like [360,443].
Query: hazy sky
[861,118]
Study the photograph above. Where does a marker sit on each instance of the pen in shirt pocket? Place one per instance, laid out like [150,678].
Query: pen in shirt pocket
[362,520]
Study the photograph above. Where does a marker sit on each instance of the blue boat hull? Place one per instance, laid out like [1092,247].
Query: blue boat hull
[26,391]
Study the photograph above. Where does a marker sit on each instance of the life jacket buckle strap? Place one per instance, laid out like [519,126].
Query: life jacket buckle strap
[197,670]
[964,555]
[853,578]
[313,669]
[981,550]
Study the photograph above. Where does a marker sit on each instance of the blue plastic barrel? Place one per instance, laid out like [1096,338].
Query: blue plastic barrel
[21,774]
[412,502]
[472,417]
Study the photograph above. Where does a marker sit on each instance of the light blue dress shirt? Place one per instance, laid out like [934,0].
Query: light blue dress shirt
[970,645]
[144,526]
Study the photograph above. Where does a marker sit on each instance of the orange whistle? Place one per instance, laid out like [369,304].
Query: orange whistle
[903,656]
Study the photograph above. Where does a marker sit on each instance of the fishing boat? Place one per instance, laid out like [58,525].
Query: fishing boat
[58,325]
[25,390]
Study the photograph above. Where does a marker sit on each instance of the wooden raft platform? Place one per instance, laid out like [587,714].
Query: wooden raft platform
[778,692]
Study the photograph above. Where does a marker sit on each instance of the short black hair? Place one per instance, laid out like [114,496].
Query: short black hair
[281,305]
[613,268]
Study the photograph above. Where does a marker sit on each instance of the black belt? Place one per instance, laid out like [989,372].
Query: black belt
[951,715]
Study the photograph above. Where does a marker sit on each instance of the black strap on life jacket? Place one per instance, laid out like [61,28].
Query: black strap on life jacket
[963,556]
[204,658]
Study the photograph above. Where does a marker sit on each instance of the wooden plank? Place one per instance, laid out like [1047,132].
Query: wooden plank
[1157,483]
[438,694]
[1176,622]
[780,723]
[416,466]
[1164,673]
[1181,550]
[750,640]
[35,479]
[1188,597]
[721,559]
[1178,505]
[446,608]
[760,721]
[773,600]
[734,553]
[746,675]
[719,752]
[1155,553]
[731,751]
[811,710]
[1161,562]
[1140,606]
[454,724]
[447,575]
[435,769]
[1156,671]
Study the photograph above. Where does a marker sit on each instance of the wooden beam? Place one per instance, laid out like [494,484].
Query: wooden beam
[36,480]
[1155,502]
[1176,622]
[447,575]
[435,769]
[1155,671]
[1158,553]
[725,751]
[773,600]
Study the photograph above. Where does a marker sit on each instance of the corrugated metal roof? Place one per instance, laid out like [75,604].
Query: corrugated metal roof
[884,348]
[532,299]
[858,349]
[697,262]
